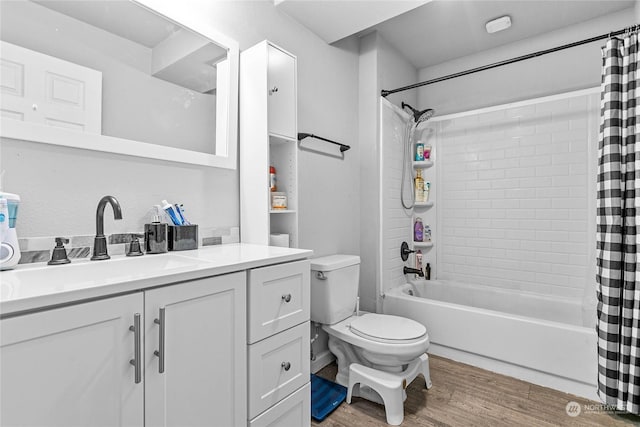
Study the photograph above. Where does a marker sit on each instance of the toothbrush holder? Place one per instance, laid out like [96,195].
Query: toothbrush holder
[183,237]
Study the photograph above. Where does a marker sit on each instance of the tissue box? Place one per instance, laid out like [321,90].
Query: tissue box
[279,239]
[183,237]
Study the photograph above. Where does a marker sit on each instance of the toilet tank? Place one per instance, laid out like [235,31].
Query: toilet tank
[334,287]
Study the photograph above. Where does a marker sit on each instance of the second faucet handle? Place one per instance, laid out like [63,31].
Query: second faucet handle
[133,249]
[59,254]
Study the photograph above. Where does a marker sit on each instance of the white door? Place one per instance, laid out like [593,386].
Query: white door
[281,82]
[43,89]
[201,341]
[70,366]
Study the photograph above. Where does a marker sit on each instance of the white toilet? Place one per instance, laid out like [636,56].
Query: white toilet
[393,346]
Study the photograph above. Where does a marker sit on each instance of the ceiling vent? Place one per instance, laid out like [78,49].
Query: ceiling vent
[498,24]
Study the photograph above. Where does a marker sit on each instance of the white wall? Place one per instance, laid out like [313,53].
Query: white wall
[60,187]
[381,67]
[570,69]
[327,106]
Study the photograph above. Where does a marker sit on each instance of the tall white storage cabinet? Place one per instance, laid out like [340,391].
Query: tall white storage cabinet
[268,137]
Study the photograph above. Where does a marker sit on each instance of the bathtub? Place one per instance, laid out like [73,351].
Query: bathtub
[543,340]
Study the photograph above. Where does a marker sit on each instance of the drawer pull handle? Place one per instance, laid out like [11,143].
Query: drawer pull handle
[286,366]
[286,297]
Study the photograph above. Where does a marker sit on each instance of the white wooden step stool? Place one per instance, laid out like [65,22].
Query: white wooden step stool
[389,385]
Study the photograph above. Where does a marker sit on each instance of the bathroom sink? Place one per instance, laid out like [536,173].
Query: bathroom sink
[83,274]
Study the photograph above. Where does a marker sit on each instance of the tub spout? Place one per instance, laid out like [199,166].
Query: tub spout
[409,270]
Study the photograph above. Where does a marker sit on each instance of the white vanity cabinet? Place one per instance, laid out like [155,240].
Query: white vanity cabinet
[70,366]
[160,353]
[279,345]
[195,353]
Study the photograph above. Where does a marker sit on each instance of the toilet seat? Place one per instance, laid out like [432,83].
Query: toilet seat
[385,328]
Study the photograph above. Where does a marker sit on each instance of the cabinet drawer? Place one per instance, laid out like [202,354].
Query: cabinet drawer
[269,379]
[295,410]
[278,298]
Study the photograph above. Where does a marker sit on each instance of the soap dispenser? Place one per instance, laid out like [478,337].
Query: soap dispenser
[59,254]
[156,236]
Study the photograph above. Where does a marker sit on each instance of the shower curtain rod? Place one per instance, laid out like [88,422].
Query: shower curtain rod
[385,93]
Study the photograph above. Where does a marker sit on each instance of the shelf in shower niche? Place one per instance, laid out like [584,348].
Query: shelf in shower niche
[422,245]
[423,205]
[424,164]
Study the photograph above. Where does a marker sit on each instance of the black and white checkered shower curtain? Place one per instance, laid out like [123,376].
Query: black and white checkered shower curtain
[618,227]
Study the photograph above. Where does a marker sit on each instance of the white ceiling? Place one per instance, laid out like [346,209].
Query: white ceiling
[333,20]
[443,30]
[432,32]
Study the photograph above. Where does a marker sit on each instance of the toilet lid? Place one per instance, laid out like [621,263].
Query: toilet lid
[387,328]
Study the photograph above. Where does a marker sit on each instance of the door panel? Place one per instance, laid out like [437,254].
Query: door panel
[70,366]
[204,378]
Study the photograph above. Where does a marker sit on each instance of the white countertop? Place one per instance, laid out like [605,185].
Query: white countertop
[36,286]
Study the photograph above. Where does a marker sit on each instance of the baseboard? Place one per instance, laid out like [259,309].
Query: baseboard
[322,359]
[588,391]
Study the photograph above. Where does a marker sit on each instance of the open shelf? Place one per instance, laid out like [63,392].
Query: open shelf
[281,139]
[282,211]
[423,205]
[424,164]
[422,245]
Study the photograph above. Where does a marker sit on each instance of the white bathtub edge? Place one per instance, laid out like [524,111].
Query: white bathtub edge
[577,388]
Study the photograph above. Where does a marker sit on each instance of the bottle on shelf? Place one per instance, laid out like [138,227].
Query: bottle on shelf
[418,230]
[427,272]
[426,233]
[419,187]
[272,179]
[418,261]
[419,152]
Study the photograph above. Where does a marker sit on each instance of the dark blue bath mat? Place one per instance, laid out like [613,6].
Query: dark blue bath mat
[325,397]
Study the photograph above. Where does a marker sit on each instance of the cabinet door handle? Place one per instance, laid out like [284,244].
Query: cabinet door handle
[286,297]
[273,90]
[160,351]
[135,328]
[286,366]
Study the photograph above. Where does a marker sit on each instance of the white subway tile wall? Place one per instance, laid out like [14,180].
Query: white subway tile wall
[514,200]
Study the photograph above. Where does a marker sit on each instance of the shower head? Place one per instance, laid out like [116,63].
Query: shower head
[419,116]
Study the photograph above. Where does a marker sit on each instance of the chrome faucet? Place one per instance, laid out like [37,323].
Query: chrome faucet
[409,270]
[100,242]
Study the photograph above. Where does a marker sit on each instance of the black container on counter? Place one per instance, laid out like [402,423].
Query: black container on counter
[156,238]
[183,237]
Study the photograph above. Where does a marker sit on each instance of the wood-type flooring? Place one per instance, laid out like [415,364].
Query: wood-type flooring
[463,395]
